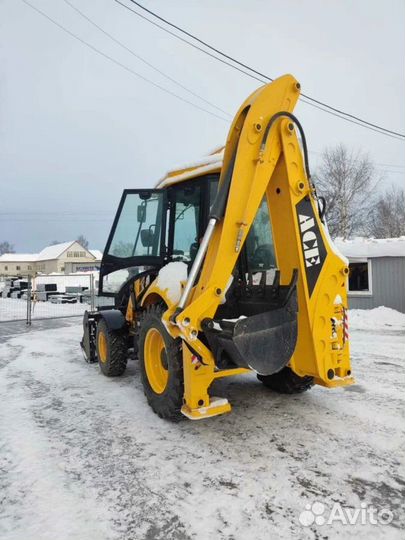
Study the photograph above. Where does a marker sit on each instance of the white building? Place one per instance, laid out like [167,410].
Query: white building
[67,258]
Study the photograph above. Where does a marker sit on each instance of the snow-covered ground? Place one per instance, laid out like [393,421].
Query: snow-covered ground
[83,457]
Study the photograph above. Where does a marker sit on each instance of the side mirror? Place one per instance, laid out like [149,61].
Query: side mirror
[141,213]
[147,238]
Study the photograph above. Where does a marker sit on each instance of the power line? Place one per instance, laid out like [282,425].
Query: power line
[123,66]
[344,115]
[390,165]
[390,172]
[118,42]
[303,100]
[349,120]
[188,42]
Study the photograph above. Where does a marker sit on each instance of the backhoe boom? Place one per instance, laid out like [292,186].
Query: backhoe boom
[263,158]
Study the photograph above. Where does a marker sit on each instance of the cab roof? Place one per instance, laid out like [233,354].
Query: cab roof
[208,164]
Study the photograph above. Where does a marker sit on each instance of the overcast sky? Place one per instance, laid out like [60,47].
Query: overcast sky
[75,129]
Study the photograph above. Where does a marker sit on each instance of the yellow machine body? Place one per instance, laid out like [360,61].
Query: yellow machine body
[275,170]
[264,163]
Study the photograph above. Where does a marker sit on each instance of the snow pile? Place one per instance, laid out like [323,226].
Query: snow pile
[381,318]
[169,279]
[371,247]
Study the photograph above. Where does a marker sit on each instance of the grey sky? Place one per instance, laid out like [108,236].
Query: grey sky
[75,129]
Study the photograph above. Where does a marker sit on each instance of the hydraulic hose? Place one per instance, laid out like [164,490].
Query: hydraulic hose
[301,130]
[321,210]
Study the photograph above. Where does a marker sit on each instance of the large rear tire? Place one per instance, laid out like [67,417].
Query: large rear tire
[287,382]
[112,350]
[161,364]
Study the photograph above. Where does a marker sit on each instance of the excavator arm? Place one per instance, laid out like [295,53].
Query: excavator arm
[263,158]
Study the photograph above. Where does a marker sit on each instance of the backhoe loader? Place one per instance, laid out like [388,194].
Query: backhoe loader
[226,267]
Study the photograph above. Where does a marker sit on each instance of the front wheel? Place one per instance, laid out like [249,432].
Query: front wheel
[287,382]
[112,350]
[161,365]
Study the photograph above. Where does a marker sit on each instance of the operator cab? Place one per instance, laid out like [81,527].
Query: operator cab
[153,227]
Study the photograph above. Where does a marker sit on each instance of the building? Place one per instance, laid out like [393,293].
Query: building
[67,258]
[377,272]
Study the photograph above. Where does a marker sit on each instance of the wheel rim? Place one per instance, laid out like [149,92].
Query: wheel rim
[155,358]
[102,347]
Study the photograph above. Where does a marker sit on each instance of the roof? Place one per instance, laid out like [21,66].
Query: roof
[47,254]
[96,253]
[53,252]
[18,257]
[205,165]
[361,247]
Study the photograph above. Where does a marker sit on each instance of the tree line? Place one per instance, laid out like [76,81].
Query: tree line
[355,203]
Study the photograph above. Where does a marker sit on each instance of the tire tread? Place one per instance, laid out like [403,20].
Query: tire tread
[117,351]
[287,382]
[168,404]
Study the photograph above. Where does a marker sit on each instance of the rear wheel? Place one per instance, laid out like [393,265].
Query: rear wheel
[286,382]
[112,350]
[161,365]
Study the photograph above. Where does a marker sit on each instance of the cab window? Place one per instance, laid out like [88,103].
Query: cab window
[138,230]
[186,217]
[259,242]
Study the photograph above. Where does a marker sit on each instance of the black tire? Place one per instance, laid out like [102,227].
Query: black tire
[168,403]
[117,350]
[287,382]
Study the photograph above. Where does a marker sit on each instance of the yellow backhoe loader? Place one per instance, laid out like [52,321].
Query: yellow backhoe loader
[226,268]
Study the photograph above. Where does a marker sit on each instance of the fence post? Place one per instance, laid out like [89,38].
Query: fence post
[29,293]
[92,299]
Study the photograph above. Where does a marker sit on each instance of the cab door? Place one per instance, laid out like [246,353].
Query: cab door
[137,237]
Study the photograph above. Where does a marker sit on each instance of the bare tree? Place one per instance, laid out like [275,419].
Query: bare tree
[388,215]
[346,180]
[6,247]
[83,241]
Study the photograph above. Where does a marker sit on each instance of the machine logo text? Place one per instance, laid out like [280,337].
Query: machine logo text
[309,240]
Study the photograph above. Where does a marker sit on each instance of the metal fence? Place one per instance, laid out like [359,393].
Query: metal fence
[51,296]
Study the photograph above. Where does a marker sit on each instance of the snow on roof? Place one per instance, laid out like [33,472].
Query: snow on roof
[201,166]
[18,257]
[47,254]
[206,160]
[53,252]
[96,253]
[360,247]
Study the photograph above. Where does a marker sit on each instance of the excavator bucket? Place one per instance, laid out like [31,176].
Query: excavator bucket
[264,342]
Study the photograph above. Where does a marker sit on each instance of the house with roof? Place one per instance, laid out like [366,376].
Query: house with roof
[376,272]
[68,257]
